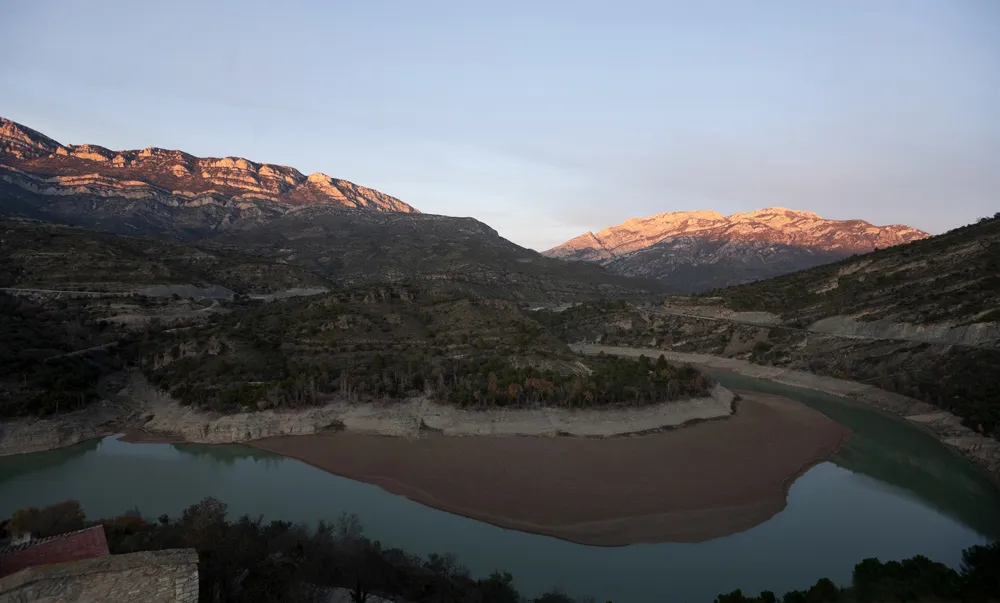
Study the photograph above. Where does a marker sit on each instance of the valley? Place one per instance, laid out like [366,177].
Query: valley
[687,380]
[500,302]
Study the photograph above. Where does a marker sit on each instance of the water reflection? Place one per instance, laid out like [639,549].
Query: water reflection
[228,454]
[893,492]
[23,464]
[896,452]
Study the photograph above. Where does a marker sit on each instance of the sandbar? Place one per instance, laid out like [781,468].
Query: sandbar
[690,484]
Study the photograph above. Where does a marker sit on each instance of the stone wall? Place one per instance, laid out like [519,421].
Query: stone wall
[169,576]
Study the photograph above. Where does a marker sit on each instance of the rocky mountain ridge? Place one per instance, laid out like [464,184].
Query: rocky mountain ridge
[329,230]
[697,250]
[34,161]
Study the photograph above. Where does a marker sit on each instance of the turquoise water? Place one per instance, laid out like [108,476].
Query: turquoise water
[892,492]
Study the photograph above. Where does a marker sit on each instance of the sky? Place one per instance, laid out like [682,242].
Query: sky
[544,119]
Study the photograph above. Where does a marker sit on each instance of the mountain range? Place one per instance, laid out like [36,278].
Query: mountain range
[345,234]
[699,250]
[37,162]
[349,234]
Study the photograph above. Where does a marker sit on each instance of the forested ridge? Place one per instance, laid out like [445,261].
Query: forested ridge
[389,344]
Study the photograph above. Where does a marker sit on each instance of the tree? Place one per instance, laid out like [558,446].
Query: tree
[201,520]
[498,588]
[360,594]
[981,572]
[824,591]
[66,516]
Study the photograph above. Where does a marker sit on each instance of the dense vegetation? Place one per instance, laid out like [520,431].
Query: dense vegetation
[390,343]
[39,373]
[488,381]
[383,343]
[914,579]
[250,560]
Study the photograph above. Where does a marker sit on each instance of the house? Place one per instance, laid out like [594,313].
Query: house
[25,552]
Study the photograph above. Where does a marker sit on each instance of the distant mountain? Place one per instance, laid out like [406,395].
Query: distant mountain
[163,183]
[342,233]
[699,250]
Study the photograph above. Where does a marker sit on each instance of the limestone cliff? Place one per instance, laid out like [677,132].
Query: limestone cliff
[32,161]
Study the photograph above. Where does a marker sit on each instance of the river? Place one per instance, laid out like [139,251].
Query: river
[892,492]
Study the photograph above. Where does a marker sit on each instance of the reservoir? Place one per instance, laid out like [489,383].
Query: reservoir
[893,491]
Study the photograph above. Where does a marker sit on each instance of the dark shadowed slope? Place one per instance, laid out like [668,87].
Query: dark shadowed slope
[353,248]
[950,277]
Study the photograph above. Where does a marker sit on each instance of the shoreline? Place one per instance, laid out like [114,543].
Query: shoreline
[145,413]
[414,417]
[29,435]
[976,448]
[616,492]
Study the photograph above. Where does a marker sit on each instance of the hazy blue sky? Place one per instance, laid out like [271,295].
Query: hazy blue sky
[544,119]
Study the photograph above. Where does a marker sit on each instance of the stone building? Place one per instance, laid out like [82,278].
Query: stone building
[76,568]
[71,546]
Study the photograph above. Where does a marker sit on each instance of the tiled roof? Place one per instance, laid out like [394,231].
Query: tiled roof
[71,546]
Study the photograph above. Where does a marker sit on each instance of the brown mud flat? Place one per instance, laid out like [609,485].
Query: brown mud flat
[702,481]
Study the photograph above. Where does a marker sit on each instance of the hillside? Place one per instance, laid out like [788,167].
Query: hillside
[340,233]
[38,255]
[951,278]
[354,248]
[921,319]
[159,192]
[389,343]
[38,163]
[699,250]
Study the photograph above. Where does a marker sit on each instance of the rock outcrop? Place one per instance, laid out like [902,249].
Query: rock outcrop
[697,250]
[33,161]
[20,436]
